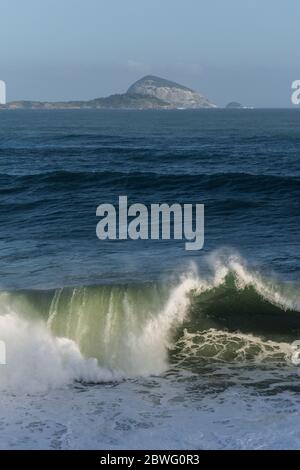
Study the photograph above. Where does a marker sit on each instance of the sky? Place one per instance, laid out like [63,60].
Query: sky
[233,50]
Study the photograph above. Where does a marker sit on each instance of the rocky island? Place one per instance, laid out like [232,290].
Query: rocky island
[234,105]
[150,92]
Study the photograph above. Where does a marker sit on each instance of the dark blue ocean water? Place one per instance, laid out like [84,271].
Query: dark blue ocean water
[142,344]
[56,167]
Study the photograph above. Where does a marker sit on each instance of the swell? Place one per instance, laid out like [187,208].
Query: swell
[242,182]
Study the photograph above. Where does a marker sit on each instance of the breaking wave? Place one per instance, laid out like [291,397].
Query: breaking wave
[109,332]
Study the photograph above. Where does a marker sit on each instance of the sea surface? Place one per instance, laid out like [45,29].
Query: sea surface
[141,344]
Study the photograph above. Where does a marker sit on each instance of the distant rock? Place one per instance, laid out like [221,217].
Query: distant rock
[175,95]
[234,104]
[128,101]
[149,92]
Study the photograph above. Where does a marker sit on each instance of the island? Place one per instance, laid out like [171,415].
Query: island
[150,92]
[234,105]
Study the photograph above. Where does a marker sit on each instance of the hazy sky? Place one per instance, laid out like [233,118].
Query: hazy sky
[79,49]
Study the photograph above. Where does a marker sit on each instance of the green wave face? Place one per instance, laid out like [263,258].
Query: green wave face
[143,329]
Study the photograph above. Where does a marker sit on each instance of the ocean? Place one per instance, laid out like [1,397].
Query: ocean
[141,344]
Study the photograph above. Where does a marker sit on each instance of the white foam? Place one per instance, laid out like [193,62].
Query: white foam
[37,361]
[223,346]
